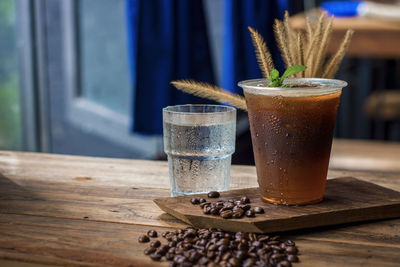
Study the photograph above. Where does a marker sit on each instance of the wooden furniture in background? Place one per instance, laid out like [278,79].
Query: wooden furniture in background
[383,105]
[372,37]
[84,211]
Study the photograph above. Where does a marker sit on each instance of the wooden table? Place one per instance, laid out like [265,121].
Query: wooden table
[71,210]
[372,37]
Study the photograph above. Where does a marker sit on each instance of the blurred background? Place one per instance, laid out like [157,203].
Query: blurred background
[90,77]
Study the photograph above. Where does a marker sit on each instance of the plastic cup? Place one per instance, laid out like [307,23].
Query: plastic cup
[292,131]
[199,141]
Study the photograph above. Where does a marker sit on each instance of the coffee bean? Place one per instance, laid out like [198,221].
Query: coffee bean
[277,257]
[234,262]
[213,194]
[155,243]
[206,209]
[164,234]
[149,250]
[169,256]
[290,243]
[212,264]
[229,205]
[179,259]
[210,254]
[237,213]
[250,213]
[195,201]
[155,256]
[256,244]
[214,211]
[258,210]
[263,238]
[291,250]
[244,207]
[202,200]
[224,209]
[143,239]
[162,250]
[194,256]
[240,255]
[248,262]
[215,247]
[222,248]
[292,258]
[152,233]
[226,214]
[223,241]
[203,204]
[203,260]
[244,200]
[275,238]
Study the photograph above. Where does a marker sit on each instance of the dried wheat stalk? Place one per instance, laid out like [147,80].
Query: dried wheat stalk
[300,53]
[312,47]
[333,64]
[320,56]
[309,31]
[211,92]
[282,42]
[263,55]
[290,36]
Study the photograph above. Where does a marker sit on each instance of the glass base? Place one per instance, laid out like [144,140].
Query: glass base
[196,175]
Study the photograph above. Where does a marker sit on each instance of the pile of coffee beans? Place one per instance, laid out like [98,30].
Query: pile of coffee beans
[215,247]
[233,208]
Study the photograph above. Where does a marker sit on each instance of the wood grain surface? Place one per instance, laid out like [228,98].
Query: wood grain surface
[85,211]
[346,200]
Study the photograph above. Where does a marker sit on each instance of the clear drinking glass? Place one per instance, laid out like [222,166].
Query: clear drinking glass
[291,131]
[199,141]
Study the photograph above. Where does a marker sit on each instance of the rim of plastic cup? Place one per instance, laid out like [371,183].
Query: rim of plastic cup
[189,118]
[319,86]
[228,109]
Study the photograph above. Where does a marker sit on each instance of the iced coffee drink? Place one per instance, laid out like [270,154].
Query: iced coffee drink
[292,130]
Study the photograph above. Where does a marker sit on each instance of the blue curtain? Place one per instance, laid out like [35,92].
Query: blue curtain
[239,61]
[167,41]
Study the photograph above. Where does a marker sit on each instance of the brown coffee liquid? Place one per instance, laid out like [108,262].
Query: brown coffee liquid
[292,138]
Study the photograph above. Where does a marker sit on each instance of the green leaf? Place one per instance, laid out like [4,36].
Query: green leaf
[291,70]
[275,81]
[274,78]
[274,75]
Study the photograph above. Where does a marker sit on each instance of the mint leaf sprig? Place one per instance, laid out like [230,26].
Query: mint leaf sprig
[276,81]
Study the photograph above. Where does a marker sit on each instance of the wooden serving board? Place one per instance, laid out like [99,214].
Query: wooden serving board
[346,200]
